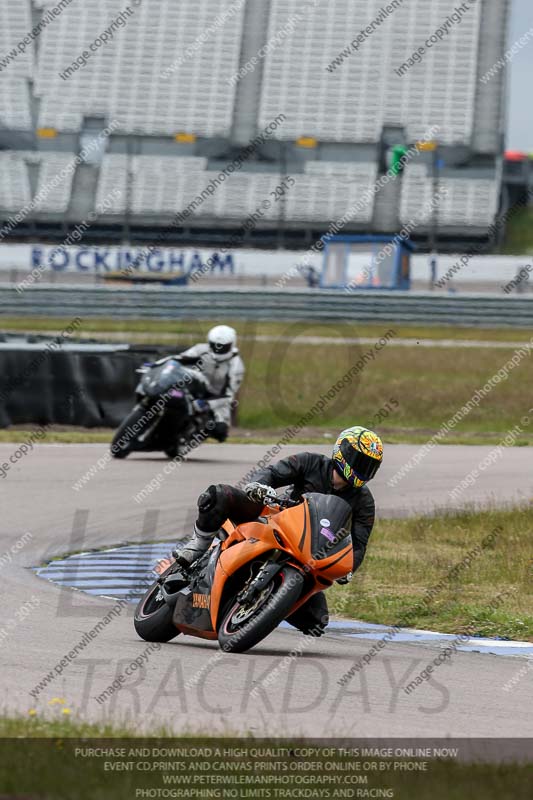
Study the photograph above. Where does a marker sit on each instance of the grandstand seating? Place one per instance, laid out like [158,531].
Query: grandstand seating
[15,184]
[125,82]
[122,80]
[468,202]
[166,185]
[55,199]
[441,89]
[15,109]
[363,93]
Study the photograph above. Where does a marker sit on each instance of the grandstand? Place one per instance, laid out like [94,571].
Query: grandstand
[166,79]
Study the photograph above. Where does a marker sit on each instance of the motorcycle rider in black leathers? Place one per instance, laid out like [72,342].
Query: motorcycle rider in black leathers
[356,458]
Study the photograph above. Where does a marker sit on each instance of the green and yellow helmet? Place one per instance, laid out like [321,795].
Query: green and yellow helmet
[357,455]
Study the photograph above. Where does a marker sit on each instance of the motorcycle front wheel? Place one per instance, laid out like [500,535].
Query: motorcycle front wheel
[244,625]
[126,439]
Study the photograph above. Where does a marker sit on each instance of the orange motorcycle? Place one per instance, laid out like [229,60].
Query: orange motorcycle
[254,576]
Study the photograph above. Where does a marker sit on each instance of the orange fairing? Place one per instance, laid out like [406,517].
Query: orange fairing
[247,542]
[288,531]
[294,526]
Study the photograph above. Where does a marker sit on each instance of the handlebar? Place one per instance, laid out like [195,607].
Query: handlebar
[282,502]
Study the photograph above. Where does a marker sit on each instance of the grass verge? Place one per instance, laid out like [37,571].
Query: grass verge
[264,437]
[406,393]
[519,237]
[492,595]
[197,329]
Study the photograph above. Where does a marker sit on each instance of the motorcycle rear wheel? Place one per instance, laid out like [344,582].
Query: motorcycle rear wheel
[242,628]
[153,617]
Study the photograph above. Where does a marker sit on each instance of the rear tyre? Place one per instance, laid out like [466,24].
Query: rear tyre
[243,626]
[153,617]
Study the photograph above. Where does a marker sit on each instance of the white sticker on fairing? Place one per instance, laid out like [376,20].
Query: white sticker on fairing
[325,522]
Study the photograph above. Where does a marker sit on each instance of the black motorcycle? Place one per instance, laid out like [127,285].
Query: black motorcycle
[163,417]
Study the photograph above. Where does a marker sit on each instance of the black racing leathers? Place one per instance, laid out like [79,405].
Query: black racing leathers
[305,472]
[311,472]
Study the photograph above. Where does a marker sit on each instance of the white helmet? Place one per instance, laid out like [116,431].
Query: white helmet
[222,340]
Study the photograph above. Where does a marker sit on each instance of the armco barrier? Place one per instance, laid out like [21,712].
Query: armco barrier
[67,302]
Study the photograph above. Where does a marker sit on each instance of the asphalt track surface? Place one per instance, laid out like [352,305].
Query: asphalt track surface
[463,698]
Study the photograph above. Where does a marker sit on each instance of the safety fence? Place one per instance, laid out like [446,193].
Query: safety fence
[175,303]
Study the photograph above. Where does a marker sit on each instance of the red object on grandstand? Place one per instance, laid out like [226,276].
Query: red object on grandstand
[515,155]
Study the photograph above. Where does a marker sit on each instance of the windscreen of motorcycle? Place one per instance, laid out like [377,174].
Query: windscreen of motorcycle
[331,524]
[163,377]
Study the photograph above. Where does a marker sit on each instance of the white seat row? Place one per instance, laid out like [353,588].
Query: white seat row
[157,76]
[15,24]
[15,192]
[54,184]
[123,80]
[464,201]
[164,185]
[353,101]
[167,185]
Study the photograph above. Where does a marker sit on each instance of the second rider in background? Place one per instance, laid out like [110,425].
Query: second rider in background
[219,361]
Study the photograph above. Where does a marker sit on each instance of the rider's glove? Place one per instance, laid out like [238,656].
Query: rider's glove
[200,406]
[258,492]
[347,578]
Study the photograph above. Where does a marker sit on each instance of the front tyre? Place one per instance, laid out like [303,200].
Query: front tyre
[124,441]
[243,626]
[153,617]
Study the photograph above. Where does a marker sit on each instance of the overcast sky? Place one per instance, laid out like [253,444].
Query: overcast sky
[520,114]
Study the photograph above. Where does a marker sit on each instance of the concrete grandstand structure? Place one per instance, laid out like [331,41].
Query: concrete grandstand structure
[187,85]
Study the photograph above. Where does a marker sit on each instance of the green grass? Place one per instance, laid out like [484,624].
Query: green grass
[148,330]
[51,767]
[407,557]
[429,386]
[519,235]
[263,437]
[285,379]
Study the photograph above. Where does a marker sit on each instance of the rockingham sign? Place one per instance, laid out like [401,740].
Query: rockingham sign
[110,259]
[41,259]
